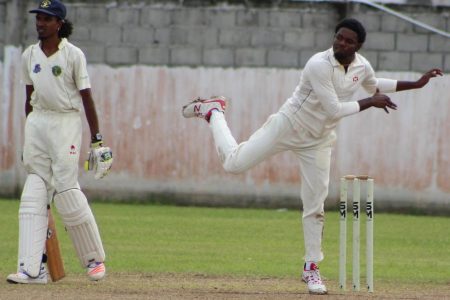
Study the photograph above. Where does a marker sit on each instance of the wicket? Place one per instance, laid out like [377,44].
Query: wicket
[356,231]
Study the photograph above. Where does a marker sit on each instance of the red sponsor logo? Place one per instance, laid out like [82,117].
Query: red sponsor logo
[355,79]
[73,150]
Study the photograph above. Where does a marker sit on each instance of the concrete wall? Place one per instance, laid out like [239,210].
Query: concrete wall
[146,58]
[160,155]
[231,34]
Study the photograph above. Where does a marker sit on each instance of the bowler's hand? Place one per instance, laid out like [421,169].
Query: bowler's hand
[427,76]
[382,101]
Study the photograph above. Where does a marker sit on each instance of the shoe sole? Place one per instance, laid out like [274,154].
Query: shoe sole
[96,279]
[25,282]
[223,104]
[318,293]
[11,281]
[198,100]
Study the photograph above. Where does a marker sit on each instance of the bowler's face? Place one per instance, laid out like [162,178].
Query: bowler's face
[345,43]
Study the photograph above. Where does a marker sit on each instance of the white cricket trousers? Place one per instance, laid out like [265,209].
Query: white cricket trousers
[275,136]
[52,147]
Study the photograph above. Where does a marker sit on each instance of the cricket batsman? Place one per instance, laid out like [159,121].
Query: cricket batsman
[57,85]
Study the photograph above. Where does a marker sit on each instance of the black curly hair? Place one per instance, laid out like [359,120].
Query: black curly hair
[353,25]
[66,29]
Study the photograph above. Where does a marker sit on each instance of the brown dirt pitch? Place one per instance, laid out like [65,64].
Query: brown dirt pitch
[197,286]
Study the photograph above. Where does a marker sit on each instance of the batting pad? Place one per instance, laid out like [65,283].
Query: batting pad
[33,223]
[77,216]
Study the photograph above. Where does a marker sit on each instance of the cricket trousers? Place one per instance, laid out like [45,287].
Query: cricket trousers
[275,136]
[52,148]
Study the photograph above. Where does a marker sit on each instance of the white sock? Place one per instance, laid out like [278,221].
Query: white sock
[214,114]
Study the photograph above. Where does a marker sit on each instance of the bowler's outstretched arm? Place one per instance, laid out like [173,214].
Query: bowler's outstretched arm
[409,85]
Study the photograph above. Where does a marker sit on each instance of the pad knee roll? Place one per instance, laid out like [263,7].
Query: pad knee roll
[77,216]
[33,224]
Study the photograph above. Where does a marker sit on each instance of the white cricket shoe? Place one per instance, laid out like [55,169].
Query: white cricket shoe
[312,278]
[202,108]
[96,271]
[22,277]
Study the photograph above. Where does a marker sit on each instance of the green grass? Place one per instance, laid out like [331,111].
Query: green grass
[243,242]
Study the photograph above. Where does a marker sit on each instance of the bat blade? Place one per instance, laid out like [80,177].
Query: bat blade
[54,259]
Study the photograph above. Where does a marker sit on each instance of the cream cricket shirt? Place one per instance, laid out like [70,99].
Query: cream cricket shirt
[58,79]
[325,91]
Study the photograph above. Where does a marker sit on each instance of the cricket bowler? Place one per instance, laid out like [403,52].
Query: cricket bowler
[305,125]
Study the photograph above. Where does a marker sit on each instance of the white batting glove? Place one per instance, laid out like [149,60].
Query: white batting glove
[100,160]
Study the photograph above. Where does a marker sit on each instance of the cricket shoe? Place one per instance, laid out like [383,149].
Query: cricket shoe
[96,271]
[202,108]
[23,277]
[312,278]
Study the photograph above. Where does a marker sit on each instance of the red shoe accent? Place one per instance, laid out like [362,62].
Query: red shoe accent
[222,103]
[312,267]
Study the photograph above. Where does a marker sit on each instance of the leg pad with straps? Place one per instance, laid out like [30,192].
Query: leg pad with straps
[33,224]
[77,216]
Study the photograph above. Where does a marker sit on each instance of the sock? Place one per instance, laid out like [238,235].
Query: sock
[310,265]
[214,113]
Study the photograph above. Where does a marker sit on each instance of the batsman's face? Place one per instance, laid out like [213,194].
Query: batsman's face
[47,26]
[345,43]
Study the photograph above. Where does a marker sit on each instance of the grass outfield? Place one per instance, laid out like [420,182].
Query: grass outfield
[244,243]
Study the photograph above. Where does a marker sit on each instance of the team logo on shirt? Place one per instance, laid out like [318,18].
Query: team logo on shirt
[56,70]
[37,68]
[45,4]
[355,79]
[73,150]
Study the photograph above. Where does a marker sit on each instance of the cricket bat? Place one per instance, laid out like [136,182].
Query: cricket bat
[54,260]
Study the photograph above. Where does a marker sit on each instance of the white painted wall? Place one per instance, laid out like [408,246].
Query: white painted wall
[156,150]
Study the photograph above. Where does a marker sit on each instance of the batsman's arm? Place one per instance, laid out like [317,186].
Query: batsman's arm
[91,112]
[29,89]
[54,260]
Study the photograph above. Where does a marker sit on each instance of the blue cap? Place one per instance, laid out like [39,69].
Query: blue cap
[52,8]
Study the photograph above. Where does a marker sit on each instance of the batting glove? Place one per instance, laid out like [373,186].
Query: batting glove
[100,159]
